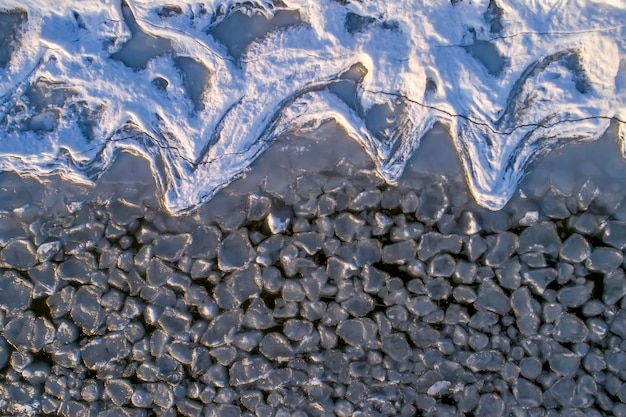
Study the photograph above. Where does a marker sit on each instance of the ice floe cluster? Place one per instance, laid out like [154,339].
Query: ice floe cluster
[333,294]
[202,89]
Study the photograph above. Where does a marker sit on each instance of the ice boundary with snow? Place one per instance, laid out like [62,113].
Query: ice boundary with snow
[202,89]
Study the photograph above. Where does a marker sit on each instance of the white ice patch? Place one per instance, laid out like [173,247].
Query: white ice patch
[203,89]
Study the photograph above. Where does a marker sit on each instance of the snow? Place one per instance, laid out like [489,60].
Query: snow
[201,99]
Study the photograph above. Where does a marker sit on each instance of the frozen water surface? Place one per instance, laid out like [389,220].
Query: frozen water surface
[202,90]
[344,270]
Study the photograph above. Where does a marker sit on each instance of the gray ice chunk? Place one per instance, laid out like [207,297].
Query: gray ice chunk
[502,248]
[366,252]
[368,199]
[527,394]
[438,289]
[575,249]
[276,347]
[118,390]
[86,311]
[347,225]
[539,279]
[222,328]
[490,405]
[359,332]
[170,247]
[248,370]
[400,252]
[235,252]
[204,242]
[78,268]
[259,207]
[124,212]
[492,298]
[48,250]
[569,328]
[614,287]
[564,363]
[441,265]
[433,202]
[541,237]
[103,351]
[488,360]
[396,346]
[575,296]
[604,260]
[18,254]
[432,243]
[15,292]
[614,234]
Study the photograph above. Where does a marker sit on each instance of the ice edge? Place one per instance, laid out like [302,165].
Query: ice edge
[178,86]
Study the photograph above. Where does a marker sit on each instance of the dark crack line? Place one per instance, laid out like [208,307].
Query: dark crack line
[488,125]
[527,33]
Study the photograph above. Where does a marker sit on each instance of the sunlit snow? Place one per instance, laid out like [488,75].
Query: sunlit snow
[201,90]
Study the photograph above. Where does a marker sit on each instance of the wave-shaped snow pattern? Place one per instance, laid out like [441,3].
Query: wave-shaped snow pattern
[202,89]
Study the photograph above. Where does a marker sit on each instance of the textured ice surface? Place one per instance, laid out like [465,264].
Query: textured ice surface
[202,99]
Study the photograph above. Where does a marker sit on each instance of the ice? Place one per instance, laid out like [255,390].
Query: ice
[15,292]
[542,238]
[170,247]
[490,405]
[118,390]
[539,279]
[396,346]
[86,311]
[235,252]
[614,287]
[358,332]
[564,391]
[569,328]
[432,204]
[373,279]
[346,226]
[492,298]
[359,305]
[502,247]
[400,252]
[575,296]
[433,243]
[174,322]
[475,247]
[575,249]
[526,393]
[409,231]
[105,351]
[564,364]
[279,220]
[366,200]
[276,347]
[292,291]
[604,260]
[367,252]
[438,289]
[442,265]
[78,268]
[530,368]
[464,294]
[19,254]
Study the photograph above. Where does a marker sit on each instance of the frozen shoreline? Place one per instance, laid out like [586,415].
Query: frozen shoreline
[181,87]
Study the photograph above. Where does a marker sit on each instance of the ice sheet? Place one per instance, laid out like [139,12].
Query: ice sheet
[201,90]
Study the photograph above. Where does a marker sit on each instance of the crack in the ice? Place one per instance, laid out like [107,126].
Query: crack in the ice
[488,125]
[530,33]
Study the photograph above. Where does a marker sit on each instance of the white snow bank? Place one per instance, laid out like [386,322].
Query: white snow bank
[203,89]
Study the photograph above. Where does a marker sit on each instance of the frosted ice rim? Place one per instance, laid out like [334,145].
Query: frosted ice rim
[184,86]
